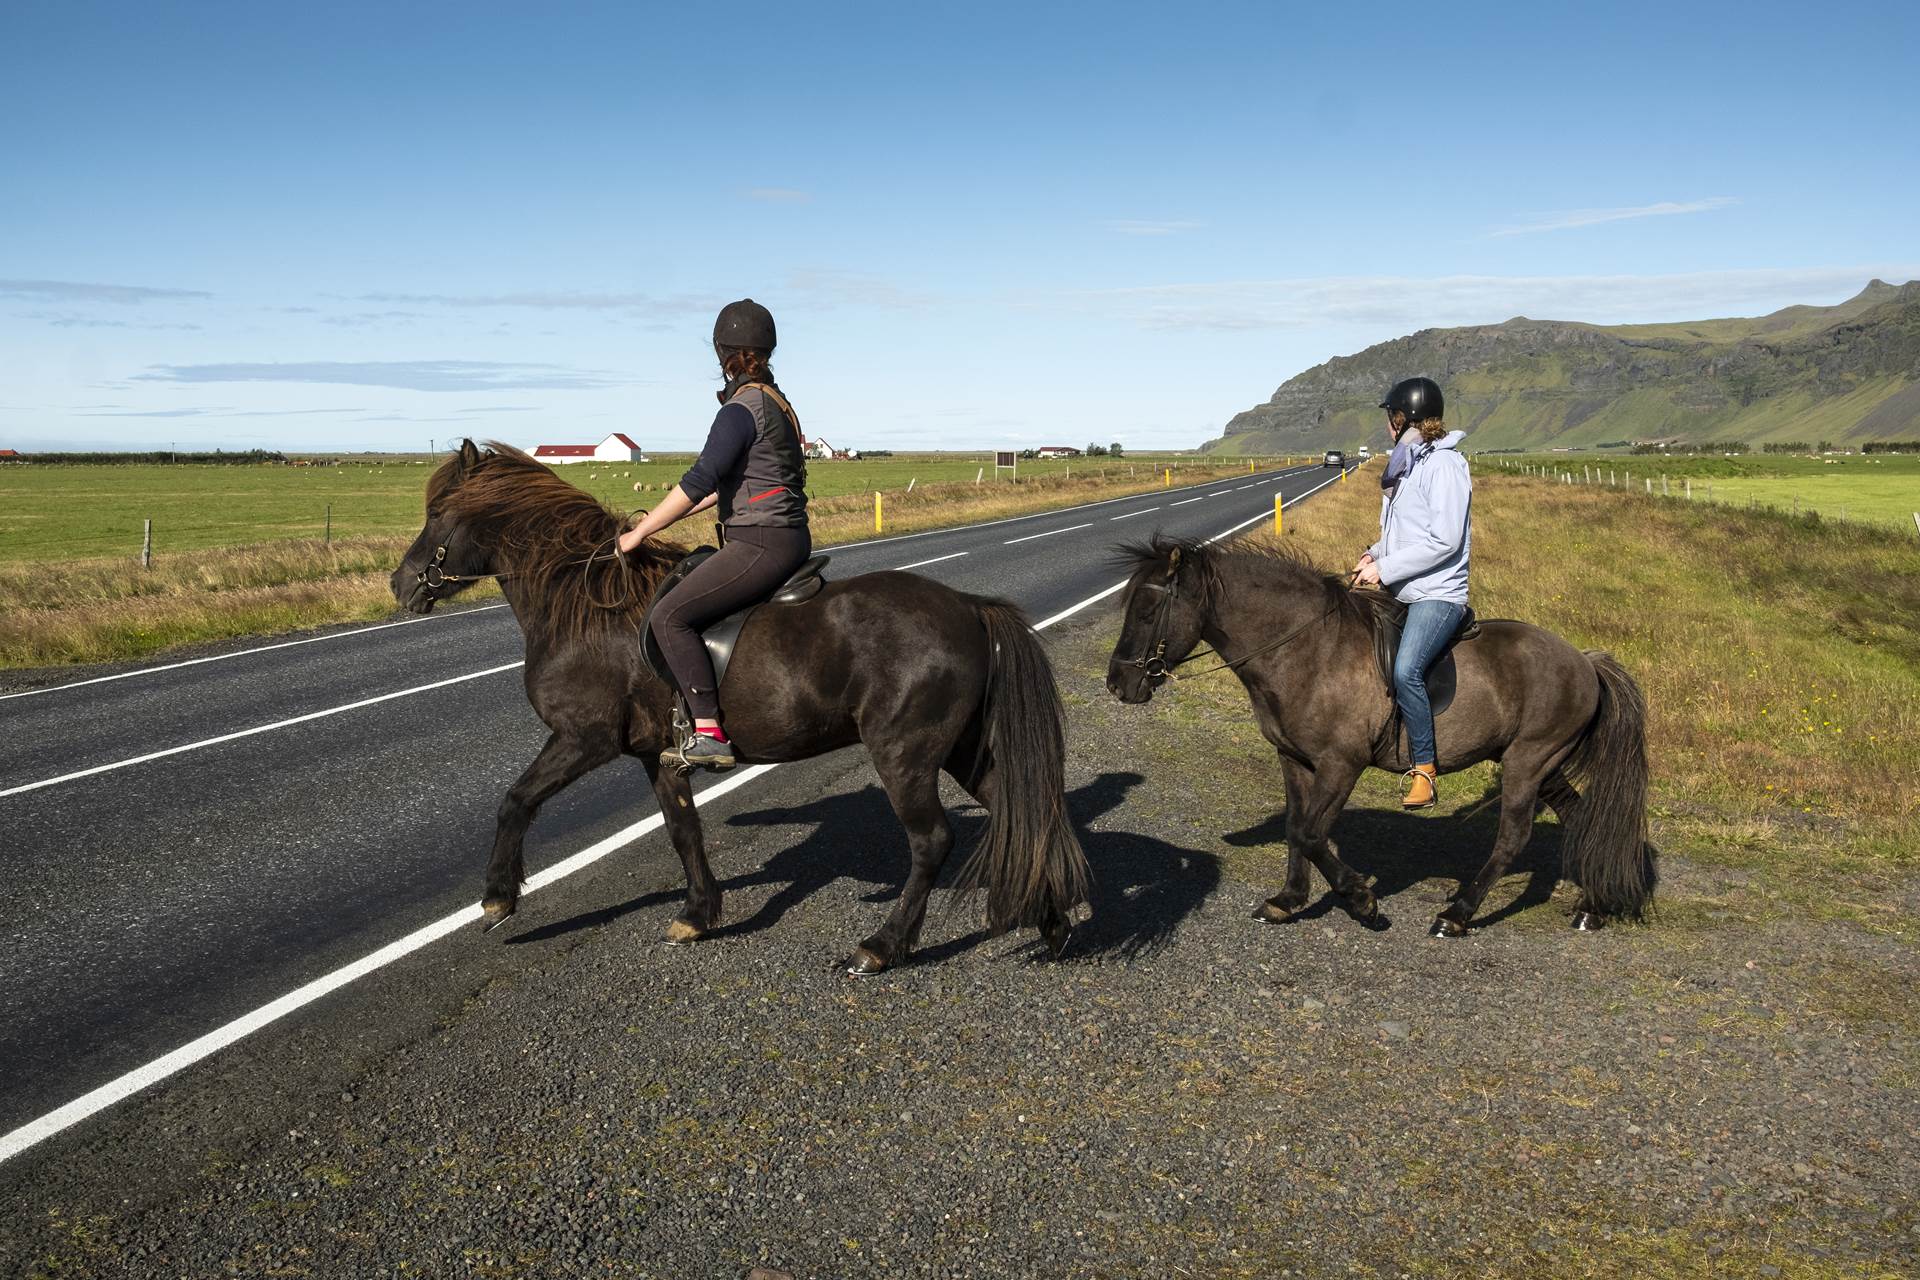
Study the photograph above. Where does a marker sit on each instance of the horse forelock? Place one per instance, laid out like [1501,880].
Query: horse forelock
[545,530]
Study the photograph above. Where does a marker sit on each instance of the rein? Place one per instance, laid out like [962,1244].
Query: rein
[434,577]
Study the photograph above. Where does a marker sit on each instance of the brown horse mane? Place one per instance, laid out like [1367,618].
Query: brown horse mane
[556,540]
[1265,561]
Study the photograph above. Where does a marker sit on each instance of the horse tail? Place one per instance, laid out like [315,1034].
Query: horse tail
[1606,843]
[1029,861]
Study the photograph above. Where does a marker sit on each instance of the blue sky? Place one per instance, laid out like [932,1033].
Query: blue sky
[378,226]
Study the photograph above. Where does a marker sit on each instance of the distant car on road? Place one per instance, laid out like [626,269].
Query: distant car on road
[1334,458]
[1364,453]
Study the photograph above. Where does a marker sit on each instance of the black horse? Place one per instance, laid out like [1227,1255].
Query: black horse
[926,677]
[1304,647]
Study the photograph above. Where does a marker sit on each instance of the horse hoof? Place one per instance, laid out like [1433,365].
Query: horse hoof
[1273,913]
[1057,939]
[1445,928]
[681,932]
[1589,921]
[865,964]
[494,914]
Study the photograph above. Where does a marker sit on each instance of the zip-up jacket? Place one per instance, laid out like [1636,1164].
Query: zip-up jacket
[753,461]
[1426,526]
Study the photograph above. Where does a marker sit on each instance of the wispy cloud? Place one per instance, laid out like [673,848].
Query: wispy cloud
[367,319]
[1570,218]
[71,291]
[550,299]
[409,375]
[1406,303]
[215,411]
[1150,227]
[825,288]
[779,195]
[72,320]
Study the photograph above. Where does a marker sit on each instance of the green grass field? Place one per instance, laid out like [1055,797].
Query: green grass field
[1881,489]
[70,513]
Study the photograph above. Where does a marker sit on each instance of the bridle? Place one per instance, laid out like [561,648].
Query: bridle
[1152,659]
[433,577]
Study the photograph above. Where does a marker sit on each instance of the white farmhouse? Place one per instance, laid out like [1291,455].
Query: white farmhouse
[618,447]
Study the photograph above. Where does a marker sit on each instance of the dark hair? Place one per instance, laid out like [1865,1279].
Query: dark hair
[744,362]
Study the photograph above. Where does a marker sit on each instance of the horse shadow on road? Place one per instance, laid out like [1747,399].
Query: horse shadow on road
[1404,850]
[1143,887]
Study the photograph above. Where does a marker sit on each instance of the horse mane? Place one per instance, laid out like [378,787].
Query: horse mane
[554,538]
[1271,560]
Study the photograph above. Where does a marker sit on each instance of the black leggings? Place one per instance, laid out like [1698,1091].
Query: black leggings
[755,560]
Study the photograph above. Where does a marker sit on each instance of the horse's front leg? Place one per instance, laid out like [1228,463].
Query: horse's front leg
[1327,788]
[1286,904]
[568,755]
[675,793]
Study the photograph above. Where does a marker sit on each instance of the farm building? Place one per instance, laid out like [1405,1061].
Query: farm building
[618,447]
[1057,451]
[10,455]
[818,448]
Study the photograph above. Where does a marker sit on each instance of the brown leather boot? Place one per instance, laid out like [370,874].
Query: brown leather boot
[1423,787]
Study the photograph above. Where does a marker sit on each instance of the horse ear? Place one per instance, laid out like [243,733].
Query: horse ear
[1173,561]
[469,454]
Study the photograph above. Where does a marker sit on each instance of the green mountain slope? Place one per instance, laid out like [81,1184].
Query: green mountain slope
[1846,373]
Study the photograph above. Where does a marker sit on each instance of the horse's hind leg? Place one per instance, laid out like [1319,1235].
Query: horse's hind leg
[1522,787]
[1326,790]
[675,794]
[566,757]
[1284,905]
[915,794]
[1558,792]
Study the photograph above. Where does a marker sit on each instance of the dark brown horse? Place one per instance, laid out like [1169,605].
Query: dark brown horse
[1303,645]
[926,677]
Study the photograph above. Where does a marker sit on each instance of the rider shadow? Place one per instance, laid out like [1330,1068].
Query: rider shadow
[1403,850]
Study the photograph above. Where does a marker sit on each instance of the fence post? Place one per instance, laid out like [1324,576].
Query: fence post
[876,512]
[1689,488]
[329,524]
[1277,530]
[911,482]
[977,475]
[146,546]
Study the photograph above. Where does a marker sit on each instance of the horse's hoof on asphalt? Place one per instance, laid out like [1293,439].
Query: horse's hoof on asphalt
[865,964]
[1589,921]
[681,932]
[1057,940]
[1274,914]
[1445,928]
[494,914]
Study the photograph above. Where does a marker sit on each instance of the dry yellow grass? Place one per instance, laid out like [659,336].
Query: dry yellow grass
[1780,657]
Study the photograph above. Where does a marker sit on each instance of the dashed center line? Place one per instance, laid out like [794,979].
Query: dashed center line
[1048,534]
[1184,501]
[936,560]
[1131,514]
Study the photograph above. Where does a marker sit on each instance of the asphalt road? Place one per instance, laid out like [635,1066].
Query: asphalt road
[161,885]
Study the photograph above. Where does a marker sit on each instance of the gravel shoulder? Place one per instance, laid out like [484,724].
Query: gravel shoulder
[1729,1091]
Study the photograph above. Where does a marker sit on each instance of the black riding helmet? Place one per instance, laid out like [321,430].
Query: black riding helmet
[1418,398]
[744,324]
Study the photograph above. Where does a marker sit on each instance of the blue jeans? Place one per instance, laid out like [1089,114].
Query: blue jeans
[1429,625]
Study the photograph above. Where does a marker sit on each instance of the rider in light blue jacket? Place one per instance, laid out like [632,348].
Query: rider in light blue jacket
[1426,536]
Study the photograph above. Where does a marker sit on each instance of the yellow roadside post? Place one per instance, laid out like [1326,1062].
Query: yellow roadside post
[876,512]
[1169,483]
[1277,530]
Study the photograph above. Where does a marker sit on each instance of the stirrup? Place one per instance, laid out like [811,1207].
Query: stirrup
[1433,786]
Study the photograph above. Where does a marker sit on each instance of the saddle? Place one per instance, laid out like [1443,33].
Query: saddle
[719,636]
[1389,615]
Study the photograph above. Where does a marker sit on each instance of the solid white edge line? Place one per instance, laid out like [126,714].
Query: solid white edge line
[142,1077]
[241,653]
[918,564]
[1131,514]
[125,1086]
[1048,534]
[259,728]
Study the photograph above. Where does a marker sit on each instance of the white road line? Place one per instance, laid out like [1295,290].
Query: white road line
[241,653]
[143,1077]
[936,560]
[1131,514]
[1048,534]
[1184,501]
[259,728]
